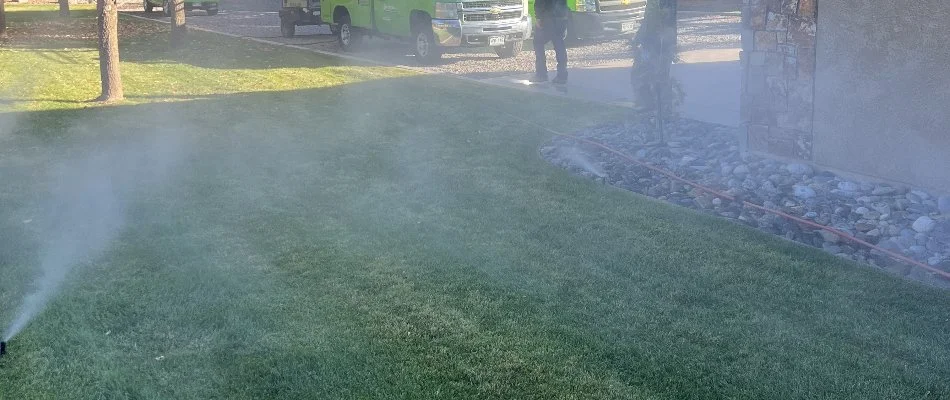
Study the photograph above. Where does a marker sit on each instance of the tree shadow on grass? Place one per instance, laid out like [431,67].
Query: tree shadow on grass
[147,42]
[208,50]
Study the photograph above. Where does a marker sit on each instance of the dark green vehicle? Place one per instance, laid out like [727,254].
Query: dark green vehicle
[210,6]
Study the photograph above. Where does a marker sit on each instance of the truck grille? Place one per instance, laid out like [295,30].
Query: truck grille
[489,4]
[491,17]
[617,5]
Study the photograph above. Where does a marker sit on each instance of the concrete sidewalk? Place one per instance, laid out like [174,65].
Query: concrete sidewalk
[600,70]
[710,78]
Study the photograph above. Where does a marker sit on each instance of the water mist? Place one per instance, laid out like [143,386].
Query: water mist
[85,211]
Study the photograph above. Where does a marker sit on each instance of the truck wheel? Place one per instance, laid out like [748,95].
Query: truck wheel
[288,28]
[210,8]
[148,7]
[348,37]
[425,47]
[510,50]
[167,8]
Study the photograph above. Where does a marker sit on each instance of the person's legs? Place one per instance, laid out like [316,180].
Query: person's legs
[560,49]
[540,60]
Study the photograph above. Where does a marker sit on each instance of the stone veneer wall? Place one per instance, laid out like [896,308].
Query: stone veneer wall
[778,76]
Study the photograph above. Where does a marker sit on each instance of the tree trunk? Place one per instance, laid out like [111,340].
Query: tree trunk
[3,20]
[178,23]
[64,8]
[654,53]
[108,21]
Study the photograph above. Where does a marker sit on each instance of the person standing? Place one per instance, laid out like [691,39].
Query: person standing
[550,26]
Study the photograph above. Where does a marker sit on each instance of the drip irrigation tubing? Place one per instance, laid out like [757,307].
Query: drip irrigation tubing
[671,175]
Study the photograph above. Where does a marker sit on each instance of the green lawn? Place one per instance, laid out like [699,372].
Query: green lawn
[326,231]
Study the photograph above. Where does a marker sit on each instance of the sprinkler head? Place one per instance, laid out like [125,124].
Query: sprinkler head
[3,348]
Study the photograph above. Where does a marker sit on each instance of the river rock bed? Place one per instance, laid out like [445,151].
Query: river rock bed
[905,220]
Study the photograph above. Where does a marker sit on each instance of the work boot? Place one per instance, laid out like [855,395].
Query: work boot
[561,78]
[538,78]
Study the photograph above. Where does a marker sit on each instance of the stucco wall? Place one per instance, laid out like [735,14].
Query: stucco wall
[882,89]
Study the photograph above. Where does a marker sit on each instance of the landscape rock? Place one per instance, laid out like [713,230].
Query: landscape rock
[909,222]
[703,202]
[934,246]
[883,190]
[829,236]
[804,192]
[907,238]
[901,204]
[920,194]
[846,186]
[891,245]
[924,224]
[881,207]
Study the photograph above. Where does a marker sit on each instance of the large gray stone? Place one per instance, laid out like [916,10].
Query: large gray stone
[924,224]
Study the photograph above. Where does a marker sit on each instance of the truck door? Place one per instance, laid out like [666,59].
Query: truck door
[401,11]
[360,13]
[385,11]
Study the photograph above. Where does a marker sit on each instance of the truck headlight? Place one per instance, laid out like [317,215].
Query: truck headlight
[447,10]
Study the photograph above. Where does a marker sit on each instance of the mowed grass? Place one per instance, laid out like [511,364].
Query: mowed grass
[328,231]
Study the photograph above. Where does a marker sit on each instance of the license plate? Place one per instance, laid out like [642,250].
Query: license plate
[496,41]
[627,26]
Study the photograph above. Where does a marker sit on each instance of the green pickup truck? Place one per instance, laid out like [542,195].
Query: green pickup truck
[210,6]
[430,25]
[598,18]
